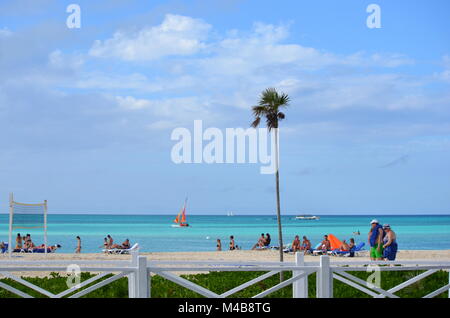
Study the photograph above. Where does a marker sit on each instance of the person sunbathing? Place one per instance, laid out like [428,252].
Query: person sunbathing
[126,244]
[50,248]
[110,242]
[325,245]
[53,248]
[296,244]
[344,247]
[352,244]
[306,245]
[260,242]
[105,244]
[29,244]
[267,240]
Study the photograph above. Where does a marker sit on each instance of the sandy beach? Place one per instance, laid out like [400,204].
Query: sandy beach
[238,256]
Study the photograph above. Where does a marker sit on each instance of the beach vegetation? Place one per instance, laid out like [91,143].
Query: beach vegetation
[220,282]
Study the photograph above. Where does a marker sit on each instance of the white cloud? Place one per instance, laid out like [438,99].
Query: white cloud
[168,112]
[5,32]
[136,82]
[131,103]
[58,60]
[240,64]
[176,35]
[225,80]
[445,74]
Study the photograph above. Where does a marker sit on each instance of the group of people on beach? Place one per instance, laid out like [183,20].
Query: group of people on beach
[325,246]
[304,246]
[108,243]
[25,243]
[263,242]
[383,242]
[232,246]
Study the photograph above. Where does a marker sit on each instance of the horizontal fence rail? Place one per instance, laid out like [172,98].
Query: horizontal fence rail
[139,271]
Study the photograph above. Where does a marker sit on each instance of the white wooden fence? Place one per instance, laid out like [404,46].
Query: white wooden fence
[139,271]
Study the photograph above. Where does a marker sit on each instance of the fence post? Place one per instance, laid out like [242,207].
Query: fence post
[300,286]
[132,288]
[324,278]
[141,278]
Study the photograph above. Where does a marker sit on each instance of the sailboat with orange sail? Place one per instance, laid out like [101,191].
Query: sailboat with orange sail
[180,220]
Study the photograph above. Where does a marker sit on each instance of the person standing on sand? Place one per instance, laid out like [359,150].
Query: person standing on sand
[78,249]
[219,245]
[389,243]
[18,241]
[375,239]
[232,244]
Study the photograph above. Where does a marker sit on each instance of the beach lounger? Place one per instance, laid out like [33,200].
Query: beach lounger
[357,250]
[320,252]
[315,250]
[20,250]
[35,250]
[288,248]
[121,250]
[41,250]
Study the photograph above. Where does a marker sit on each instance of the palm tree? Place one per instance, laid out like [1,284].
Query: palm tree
[269,106]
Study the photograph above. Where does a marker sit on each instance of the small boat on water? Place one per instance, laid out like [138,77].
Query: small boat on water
[307,217]
[180,220]
[230,214]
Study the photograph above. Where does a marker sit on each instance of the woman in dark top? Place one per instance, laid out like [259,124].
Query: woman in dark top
[267,240]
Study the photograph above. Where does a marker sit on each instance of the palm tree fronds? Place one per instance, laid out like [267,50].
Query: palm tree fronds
[259,111]
[272,121]
[256,122]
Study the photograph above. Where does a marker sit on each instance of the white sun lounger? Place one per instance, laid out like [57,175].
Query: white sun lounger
[122,250]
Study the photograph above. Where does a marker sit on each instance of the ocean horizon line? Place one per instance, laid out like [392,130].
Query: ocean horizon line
[244,214]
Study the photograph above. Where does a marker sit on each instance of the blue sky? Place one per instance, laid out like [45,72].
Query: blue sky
[86,114]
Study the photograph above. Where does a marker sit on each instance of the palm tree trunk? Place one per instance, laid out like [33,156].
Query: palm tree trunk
[277,176]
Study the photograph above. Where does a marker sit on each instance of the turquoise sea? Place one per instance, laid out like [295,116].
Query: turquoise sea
[154,233]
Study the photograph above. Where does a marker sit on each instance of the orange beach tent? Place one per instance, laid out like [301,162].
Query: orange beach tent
[335,242]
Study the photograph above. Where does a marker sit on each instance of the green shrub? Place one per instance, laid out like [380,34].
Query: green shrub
[220,282]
